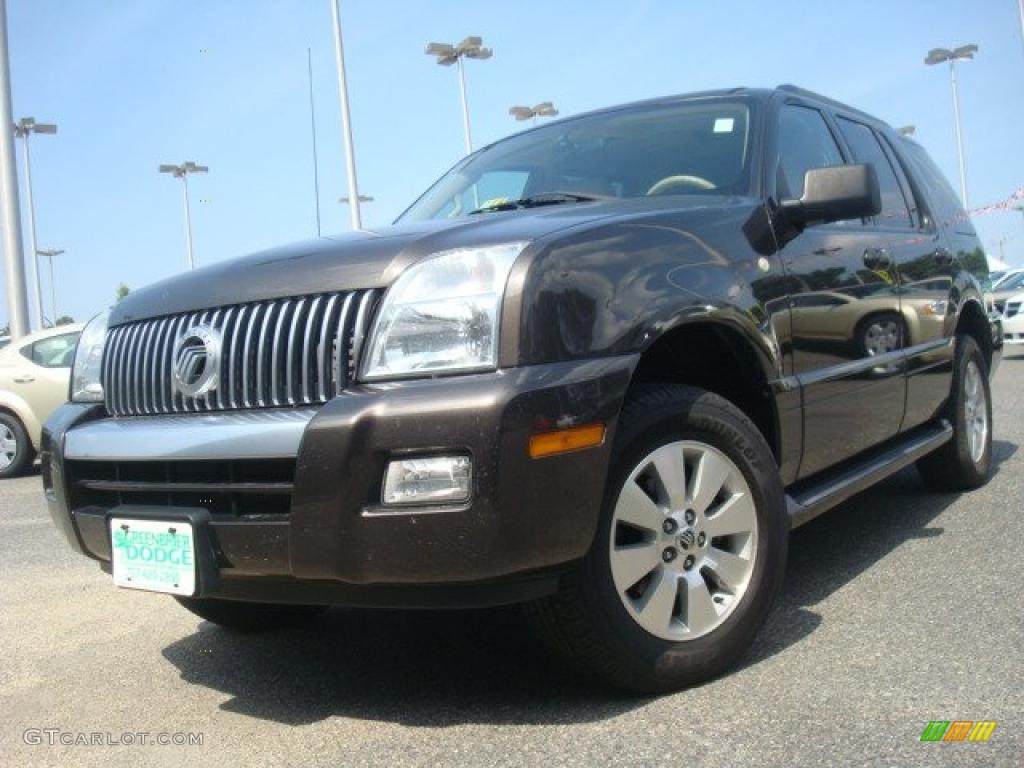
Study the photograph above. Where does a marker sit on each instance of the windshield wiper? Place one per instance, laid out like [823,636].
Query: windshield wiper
[535,201]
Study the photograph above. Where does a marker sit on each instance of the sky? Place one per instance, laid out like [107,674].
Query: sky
[136,83]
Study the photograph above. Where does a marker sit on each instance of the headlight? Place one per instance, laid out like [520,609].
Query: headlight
[85,378]
[442,315]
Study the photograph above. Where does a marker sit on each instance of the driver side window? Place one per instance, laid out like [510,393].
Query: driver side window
[805,142]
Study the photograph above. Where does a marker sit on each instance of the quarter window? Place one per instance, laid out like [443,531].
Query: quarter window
[54,352]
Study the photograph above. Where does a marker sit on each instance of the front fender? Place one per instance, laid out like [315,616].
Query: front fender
[615,288]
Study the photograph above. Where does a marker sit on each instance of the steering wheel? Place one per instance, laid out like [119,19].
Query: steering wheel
[678,185]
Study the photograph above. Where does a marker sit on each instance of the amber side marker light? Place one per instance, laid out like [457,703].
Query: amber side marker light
[566,440]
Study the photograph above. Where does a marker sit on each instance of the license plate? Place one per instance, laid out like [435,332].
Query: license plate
[155,555]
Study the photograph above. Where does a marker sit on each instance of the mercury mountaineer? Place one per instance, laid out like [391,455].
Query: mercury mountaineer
[600,368]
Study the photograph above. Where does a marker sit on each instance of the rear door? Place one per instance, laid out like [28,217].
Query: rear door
[934,278]
[846,347]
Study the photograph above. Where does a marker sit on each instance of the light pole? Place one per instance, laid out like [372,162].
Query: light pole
[14,262]
[1020,13]
[544,109]
[23,129]
[346,123]
[346,200]
[938,56]
[906,130]
[181,172]
[447,54]
[49,253]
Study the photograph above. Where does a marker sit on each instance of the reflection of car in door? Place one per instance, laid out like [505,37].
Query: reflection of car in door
[873,319]
[34,373]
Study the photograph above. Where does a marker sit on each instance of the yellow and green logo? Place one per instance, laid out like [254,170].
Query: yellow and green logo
[958,730]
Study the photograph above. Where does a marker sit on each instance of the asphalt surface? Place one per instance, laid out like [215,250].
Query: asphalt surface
[900,607]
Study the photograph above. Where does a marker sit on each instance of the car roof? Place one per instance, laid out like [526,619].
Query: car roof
[46,333]
[758,94]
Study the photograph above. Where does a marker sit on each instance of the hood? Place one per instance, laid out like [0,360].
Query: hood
[367,259]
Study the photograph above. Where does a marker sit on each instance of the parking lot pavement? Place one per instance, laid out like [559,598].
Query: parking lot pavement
[899,607]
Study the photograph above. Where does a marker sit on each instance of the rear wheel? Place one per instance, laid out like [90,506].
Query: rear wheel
[965,461]
[16,452]
[249,617]
[690,550]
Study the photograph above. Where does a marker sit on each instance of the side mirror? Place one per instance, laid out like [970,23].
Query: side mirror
[835,193]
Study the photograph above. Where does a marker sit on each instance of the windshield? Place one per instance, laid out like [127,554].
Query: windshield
[1012,283]
[699,147]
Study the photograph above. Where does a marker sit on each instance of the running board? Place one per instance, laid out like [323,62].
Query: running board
[808,502]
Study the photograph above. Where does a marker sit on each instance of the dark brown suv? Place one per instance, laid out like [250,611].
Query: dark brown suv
[601,368]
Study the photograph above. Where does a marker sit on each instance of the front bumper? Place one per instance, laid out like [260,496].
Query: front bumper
[332,541]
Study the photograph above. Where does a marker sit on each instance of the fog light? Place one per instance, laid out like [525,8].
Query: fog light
[428,480]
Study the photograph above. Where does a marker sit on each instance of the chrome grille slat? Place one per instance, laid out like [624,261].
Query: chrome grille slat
[133,367]
[277,366]
[289,382]
[232,364]
[337,369]
[292,351]
[307,352]
[261,353]
[225,360]
[359,330]
[248,351]
[172,397]
[321,351]
[147,353]
[205,400]
[156,391]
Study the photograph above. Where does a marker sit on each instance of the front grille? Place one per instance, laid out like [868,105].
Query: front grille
[242,487]
[285,352]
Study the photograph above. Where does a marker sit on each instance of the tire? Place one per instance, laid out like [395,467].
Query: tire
[965,462]
[16,451]
[599,627]
[249,618]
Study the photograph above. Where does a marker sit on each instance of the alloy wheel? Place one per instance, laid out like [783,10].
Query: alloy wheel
[976,412]
[683,540]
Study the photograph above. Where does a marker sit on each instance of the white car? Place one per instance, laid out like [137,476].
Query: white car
[1013,319]
[1002,276]
[34,373]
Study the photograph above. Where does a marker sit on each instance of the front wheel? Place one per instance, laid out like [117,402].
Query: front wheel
[965,461]
[249,617]
[690,549]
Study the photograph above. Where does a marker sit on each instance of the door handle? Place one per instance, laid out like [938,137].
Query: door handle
[877,258]
[24,379]
[942,256]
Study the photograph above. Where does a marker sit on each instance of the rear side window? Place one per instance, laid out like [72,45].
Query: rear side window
[866,149]
[805,142]
[945,203]
[54,352]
